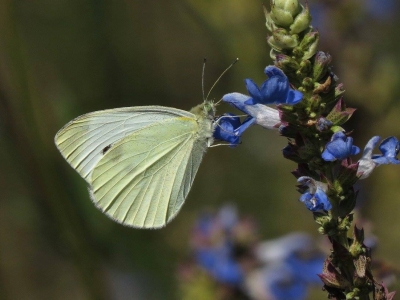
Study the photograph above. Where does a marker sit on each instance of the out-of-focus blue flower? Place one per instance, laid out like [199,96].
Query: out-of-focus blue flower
[229,129]
[314,198]
[381,9]
[292,264]
[259,114]
[219,262]
[283,285]
[306,269]
[389,147]
[340,147]
[213,246]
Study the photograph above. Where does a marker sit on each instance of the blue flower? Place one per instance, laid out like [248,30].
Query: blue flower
[316,201]
[292,265]
[262,115]
[306,268]
[274,90]
[220,264]
[314,198]
[340,147]
[213,242]
[283,285]
[389,148]
[229,128]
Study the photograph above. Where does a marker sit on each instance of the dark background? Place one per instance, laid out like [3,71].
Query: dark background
[60,59]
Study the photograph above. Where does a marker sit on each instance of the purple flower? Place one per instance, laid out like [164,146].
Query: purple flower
[389,148]
[314,198]
[340,147]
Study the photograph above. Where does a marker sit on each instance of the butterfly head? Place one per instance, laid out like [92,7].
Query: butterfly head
[206,110]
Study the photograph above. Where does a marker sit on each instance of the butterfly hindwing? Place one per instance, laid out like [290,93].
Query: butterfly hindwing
[143,179]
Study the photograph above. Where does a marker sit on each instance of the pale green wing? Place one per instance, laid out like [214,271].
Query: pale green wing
[84,140]
[143,180]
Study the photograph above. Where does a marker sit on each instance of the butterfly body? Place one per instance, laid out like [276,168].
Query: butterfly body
[139,162]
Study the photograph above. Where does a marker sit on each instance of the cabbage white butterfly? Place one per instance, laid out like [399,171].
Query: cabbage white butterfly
[139,162]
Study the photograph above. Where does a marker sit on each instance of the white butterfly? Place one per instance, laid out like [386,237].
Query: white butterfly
[140,162]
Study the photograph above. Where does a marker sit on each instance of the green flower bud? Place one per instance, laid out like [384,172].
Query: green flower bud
[281,17]
[321,65]
[269,22]
[304,69]
[280,40]
[302,21]
[309,44]
[286,63]
[291,6]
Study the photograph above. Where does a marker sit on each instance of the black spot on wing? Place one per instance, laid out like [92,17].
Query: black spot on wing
[106,149]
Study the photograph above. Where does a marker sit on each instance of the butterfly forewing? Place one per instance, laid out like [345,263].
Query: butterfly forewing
[86,139]
[143,180]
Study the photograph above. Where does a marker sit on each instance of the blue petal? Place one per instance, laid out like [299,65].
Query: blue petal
[327,156]
[339,147]
[253,90]
[390,147]
[322,200]
[338,135]
[246,124]
[237,100]
[275,90]
[317,201]
[225,130]
[294,97]
[273,71]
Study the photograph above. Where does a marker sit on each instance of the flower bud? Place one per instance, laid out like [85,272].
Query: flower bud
[302,21]
[321,65]
[280,40]
[309,44]
[291,6]
[268,20]
[286,63]
[281,17]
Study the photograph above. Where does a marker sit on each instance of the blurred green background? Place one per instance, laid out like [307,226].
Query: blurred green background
[60,59]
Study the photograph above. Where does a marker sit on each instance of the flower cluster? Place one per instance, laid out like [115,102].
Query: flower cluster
[310,112]
[274,90]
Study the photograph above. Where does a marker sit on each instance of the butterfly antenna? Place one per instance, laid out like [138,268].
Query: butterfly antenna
[202,76]
[222,74]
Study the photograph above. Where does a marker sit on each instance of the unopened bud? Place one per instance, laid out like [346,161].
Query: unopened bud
[280,39]
[309,44]
[286,63]
[321,65]
[291,6]
[302,21]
